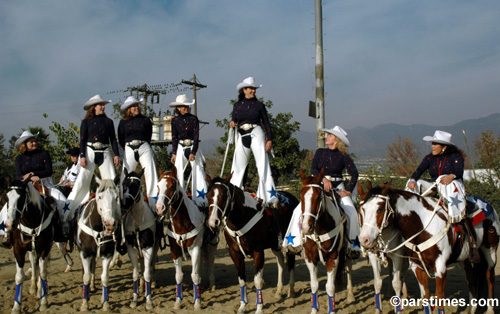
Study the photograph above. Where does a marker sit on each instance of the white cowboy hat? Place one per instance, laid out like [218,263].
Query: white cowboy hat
[129,102]
[440,137]
[338,132]
[248,82]
[97,99]
[24,137]
[181,100]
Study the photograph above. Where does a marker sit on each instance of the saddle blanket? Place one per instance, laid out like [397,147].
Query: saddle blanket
[484,209]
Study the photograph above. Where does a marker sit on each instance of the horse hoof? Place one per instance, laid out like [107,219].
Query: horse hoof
[16,311]
[105,306]
[149,305]
[92,288]
[177,305]
[153,284]
[43,307]
[277,295]
[68,269]
[84,307]
[133,305]
[350,299]
[291,294]
[197,306]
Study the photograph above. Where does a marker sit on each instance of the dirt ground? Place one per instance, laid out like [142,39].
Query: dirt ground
[65,289]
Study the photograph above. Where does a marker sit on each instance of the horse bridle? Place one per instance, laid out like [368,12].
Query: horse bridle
[321,204]
[388,212]
[26,201]
[172,199]
[229,200]
[137,196]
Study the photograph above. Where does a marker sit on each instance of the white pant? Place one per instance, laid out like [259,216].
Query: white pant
[266,190]
[53,192]
[147,162]
[81,190]
[348,206]
[454,193]
[198,183]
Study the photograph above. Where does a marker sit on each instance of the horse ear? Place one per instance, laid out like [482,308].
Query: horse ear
[302,174]
[385,188]
[117,178]
[161,172]
[228,178]
[141,172]
[369,185]
[361,192]
[208,178]
[98,180]
[125,171]
[174,171]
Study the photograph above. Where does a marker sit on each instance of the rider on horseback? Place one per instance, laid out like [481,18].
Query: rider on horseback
[34,164]
[445,164]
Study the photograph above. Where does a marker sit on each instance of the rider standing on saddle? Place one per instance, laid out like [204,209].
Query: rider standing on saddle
[249,114]
[97,134]
[334,159]
[134,136]
[445,164]
[34,164]
[71,172]
[185,140]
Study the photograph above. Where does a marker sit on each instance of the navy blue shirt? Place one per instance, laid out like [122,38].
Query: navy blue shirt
[440,165]
[334,162]
[37,161]
[137,127]
[254,112]
[185,127]
[97,129]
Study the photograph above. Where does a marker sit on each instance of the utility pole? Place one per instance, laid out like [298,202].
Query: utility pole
[194,85]
[320,87]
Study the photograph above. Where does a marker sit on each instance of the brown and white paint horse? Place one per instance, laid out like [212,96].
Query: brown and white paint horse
[185,229]
[429,239]
[386,251]
[141,236]
[95,236]
[30,220]
[247,233]
[323,228]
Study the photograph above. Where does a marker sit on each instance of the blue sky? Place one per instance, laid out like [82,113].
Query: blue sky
[406,62]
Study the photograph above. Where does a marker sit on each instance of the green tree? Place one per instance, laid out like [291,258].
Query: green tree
[7,169]
[288,155]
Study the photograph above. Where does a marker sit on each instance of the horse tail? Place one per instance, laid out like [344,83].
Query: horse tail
[340,276]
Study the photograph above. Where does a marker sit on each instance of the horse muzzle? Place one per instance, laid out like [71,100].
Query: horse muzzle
[160,209]
[109,226]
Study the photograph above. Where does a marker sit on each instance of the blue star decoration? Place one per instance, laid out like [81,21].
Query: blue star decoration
[66,207]
[2,225]
[201,193]
[290,238]
[272,192]
[455,201]
[355,242]
[155,198]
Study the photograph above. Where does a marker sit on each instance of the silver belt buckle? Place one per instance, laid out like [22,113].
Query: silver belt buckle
[136,142]
[98,145]
[246,126]
[187,142]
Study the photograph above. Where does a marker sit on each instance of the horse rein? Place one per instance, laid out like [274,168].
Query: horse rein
[172,199]
[228,200]
[321,204]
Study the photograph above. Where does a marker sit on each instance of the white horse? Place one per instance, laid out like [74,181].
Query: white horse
[95,237]
[140,233]
[185,229]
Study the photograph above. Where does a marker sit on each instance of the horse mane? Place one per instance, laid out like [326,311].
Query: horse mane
[214,181]
[106,185]
[34,196]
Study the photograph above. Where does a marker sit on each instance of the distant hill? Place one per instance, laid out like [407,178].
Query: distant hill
[373,142]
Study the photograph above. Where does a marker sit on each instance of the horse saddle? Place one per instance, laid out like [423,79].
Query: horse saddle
[44,192]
